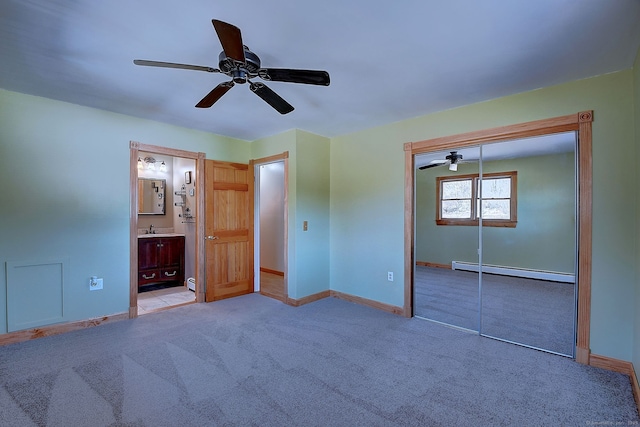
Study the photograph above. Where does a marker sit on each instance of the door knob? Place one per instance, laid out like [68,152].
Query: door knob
[211,237]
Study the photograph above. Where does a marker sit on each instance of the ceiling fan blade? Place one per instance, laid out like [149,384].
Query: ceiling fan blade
[271,98]
[215,94]
[174,65]
[311,77]
[231,40]
[432,165]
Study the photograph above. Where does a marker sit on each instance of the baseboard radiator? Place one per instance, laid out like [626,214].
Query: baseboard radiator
[515,271]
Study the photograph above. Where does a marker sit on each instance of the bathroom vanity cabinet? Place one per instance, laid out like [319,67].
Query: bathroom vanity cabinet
[160,259]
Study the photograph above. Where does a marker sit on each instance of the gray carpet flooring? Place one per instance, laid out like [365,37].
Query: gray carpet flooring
[533,312]
[254,361]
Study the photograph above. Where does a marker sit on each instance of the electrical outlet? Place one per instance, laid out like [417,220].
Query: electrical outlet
[95,283]
[390,276]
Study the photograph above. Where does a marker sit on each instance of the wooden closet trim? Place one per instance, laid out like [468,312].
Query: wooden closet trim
[579,122]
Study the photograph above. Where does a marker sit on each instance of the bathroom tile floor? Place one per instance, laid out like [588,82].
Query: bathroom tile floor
[161,299]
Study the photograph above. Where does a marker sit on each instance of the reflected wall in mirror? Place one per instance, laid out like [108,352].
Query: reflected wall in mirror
[151,196]
[445,214]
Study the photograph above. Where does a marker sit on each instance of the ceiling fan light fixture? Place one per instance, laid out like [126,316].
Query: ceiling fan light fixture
[453,167]
[239,76]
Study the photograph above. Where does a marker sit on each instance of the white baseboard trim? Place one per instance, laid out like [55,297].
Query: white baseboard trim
[514,271]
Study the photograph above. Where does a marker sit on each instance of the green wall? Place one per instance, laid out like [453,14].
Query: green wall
[367,204]
[312,205]
[65,193]
[367,212]
[544,238]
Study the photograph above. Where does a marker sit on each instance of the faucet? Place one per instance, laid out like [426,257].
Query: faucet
[151,231]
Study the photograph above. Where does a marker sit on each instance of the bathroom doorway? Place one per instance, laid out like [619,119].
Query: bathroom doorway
[165,242]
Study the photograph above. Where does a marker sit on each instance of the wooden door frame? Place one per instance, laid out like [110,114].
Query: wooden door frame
[581,123]
[134,149]
[284,157]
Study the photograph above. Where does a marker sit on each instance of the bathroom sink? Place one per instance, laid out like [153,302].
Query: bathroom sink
[142,236]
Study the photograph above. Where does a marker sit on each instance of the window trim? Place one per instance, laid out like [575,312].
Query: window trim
[508,223]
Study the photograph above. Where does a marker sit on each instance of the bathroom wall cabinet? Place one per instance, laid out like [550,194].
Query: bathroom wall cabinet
[160,259]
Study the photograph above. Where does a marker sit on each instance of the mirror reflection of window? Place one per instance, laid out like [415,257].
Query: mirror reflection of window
[456,199]
[496,198]
[462,200]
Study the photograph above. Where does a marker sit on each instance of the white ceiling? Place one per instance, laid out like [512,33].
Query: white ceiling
[388,61]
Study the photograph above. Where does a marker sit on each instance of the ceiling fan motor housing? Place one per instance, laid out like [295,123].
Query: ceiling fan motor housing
[454,157]
[238,71]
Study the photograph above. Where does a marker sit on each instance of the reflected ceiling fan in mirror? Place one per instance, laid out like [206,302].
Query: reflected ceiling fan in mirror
[453,160]
[242,65]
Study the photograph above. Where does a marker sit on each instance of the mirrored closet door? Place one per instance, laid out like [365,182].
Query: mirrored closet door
[529,245]
[445,232]
[495,244]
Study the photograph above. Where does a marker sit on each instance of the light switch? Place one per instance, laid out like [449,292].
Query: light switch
[305,226]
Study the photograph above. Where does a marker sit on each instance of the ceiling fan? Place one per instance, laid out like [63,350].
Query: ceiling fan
[242,65]
[452,160]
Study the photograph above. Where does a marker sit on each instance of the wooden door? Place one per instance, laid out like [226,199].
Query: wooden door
[228,230]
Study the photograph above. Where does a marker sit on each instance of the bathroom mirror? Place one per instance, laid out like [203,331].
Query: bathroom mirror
[151,196]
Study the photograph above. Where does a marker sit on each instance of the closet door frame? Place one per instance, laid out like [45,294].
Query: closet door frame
[581,123]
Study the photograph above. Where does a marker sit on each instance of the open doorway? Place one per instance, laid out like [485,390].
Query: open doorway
[166,197]
[271,226]
[166,231]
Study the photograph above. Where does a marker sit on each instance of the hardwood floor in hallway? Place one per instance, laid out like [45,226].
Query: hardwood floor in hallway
[272,285]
